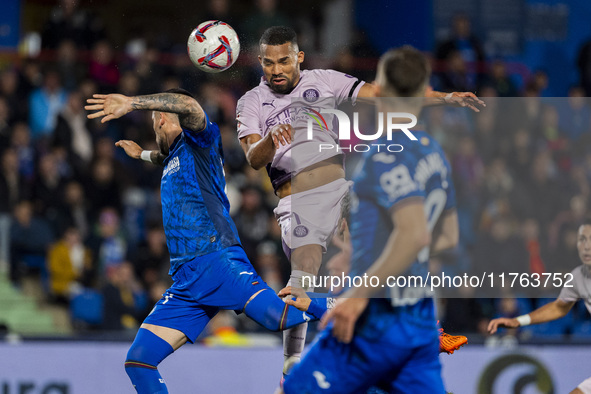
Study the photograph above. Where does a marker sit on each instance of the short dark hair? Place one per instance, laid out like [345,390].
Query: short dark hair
[180,91]
[278,35]
[405,70]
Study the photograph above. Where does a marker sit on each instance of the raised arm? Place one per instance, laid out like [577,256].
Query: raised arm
[552,311]
[113,106]
[460,99]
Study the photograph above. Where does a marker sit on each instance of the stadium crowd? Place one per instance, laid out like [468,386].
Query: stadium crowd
[78,212]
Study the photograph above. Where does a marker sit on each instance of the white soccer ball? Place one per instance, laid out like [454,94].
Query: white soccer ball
[213,46]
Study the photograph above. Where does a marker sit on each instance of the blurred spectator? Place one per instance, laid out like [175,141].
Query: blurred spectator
[22,145]
[4,125]
[465,44]
[252,219]
[70,266]
[220,10]
[71,71]
[151,259]
[536,250]
[267,265]
[455,77]
[499,251]
[108,246]
[12,187]
[71,132]
[74,211]
[102,188]
[584,65]
[15,95]
[574,114]
[102,67]
[265,15]
[124,299]
[45,104]
[67,21]
[30,238]
[48,188]
[501,81]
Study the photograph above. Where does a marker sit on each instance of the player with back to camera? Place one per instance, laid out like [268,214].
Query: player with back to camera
[209,268]
[402,210]
[310,184]
[581,289]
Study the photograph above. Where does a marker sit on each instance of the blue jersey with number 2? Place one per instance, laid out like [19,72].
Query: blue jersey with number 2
[385,181]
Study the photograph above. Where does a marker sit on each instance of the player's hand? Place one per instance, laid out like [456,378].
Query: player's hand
[502,322]
[132,149]
[109,106]
[301,300]
[344,316]
[466,99]
[282,135]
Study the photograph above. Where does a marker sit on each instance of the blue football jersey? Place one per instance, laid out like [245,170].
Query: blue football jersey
[195,208]
[383,181]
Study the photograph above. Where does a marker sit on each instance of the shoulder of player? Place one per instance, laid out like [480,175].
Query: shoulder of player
[252,98]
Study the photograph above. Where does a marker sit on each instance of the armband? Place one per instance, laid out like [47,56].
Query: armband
[524,320]
[146,155]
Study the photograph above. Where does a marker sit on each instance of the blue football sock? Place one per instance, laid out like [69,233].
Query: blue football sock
[146,352]
[271,312]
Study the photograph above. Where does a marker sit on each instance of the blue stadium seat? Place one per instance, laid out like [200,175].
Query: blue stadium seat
[87,308]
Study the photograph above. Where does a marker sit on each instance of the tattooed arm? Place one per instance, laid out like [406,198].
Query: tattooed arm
[113,106]
[134,151]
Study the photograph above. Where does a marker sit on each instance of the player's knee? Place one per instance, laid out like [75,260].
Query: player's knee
[147,348]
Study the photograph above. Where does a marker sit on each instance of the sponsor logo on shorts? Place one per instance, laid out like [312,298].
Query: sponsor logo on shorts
[321,380]
[311,95]
[300,231]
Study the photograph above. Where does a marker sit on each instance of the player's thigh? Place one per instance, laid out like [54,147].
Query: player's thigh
[420,373]
[179,312]
[334,367]
[175,338]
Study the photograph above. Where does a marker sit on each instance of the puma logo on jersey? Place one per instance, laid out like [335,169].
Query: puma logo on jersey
[246,273]
[321,380]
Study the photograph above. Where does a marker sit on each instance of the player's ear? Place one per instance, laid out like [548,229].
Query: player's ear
[260,60]
[300,57]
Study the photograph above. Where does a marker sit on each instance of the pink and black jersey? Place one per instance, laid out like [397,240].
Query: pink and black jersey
[261,108]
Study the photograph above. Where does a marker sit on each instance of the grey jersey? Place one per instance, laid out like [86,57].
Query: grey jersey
[581,287]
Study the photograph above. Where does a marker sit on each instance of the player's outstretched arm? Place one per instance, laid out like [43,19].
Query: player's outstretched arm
[113,106]
[134,151]
[459,99]
[552,311]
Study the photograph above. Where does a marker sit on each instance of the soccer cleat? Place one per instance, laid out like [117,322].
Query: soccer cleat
[450,343]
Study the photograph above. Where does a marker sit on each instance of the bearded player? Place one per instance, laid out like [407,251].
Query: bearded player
[310,182]
[209,268]
[580,289]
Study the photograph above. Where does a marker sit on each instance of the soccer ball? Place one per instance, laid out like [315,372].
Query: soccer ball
[213,46]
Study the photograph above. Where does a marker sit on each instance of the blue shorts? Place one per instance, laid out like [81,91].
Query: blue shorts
[201,287]
[404,358]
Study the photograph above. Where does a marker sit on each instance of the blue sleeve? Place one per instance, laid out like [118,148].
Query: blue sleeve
[393,183]
[205,137]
